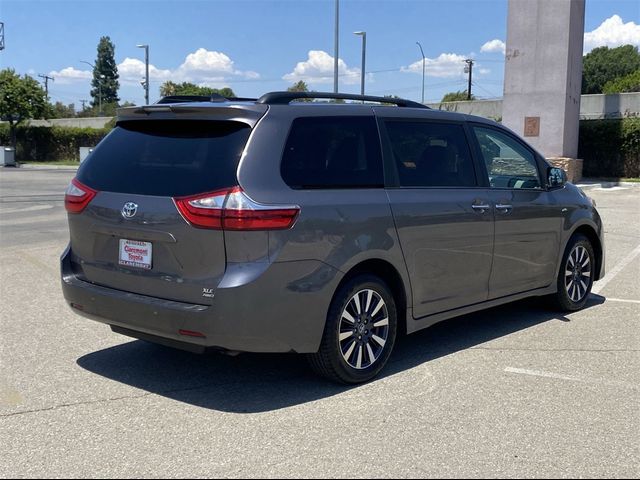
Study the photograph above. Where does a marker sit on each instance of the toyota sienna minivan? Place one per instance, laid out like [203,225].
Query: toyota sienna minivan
[325,229]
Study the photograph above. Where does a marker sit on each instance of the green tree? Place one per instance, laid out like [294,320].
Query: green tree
[605,64]
[300,86]
[60,110]
[105,74]
[459,96]
[628,83]
[169,88]
[21,98]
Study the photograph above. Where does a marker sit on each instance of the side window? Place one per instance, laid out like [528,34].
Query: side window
[430,154]
[333,152]
[509,163]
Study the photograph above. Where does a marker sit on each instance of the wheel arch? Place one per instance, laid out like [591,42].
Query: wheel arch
[390,275]
[590,232]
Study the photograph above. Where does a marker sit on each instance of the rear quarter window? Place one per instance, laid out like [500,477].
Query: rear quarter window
[166,157]
[332,153]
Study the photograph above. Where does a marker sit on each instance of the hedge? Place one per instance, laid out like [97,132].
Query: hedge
[610,148]
[45,144]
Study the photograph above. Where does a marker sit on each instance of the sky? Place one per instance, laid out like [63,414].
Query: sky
[256,46]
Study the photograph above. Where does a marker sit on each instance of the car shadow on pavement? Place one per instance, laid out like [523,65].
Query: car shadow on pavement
[251,383]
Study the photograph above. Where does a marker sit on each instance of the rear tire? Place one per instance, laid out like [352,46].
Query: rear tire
[360,332]
[576,274]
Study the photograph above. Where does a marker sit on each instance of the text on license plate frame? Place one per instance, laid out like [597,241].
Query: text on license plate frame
[136,254]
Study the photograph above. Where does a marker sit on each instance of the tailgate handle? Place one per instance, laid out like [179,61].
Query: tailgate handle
[149,235]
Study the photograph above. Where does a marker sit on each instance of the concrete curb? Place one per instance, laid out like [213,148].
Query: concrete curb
[606,184]
[27,166]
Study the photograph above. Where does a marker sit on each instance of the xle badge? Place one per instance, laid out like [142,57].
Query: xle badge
[207,292]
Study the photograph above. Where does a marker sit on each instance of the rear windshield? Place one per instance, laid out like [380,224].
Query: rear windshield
[166,157]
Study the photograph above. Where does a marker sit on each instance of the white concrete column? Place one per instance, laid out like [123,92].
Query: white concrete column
[543,73]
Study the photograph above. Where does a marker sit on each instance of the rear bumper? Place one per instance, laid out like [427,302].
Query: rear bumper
[282,310]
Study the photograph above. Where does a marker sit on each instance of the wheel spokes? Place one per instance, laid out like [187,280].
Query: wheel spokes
[362,337]
[577,273]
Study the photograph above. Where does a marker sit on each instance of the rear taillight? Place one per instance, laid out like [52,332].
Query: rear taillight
[77,196]
[232,209]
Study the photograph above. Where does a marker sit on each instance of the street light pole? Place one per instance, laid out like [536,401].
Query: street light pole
[423,61]
[336,50]
[364,53]
[102,77]
[146,68]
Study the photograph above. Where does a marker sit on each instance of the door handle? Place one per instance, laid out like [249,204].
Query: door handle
[504,208]
[481,208]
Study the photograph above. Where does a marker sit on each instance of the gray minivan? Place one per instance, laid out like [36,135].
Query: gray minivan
[275,225]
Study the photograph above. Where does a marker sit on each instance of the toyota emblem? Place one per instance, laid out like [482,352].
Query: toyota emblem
[129,210]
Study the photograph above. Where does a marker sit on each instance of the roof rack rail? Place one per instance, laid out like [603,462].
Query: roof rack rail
[284,98]
[214,97]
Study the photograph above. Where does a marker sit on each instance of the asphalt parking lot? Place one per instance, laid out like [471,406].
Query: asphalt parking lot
[518,391]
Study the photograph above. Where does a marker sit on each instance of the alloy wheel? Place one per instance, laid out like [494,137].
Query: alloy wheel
[364,329]
[577,275]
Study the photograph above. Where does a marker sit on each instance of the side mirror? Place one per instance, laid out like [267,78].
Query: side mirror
[556,177]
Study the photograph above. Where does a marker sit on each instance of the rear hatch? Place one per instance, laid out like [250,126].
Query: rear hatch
[131,236]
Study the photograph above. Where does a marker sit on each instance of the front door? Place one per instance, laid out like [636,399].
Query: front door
[527,220]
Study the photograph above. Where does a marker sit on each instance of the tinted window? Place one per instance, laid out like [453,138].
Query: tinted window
[430,154]
[333,152]
[166,157]
[509,163]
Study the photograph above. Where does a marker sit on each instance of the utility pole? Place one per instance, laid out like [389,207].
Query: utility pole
[46,83]
[83,102]
[469,69]
[336,52]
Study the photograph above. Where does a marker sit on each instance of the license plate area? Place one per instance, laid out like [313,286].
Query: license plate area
[136,254]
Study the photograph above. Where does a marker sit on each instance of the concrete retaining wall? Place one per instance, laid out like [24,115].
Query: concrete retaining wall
[592,107]
[86,122]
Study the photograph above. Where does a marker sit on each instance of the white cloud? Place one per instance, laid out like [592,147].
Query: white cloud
[207,66]
[70,75]
[318,68]
[203,67]
[133,70]
[446,65]
[495,45]
[613,32]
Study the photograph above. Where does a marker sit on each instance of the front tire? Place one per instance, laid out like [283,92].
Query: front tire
[575,278]
[360,332]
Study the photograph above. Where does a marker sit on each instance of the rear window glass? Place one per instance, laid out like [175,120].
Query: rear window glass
[333,152]
[429,154]
[166,157]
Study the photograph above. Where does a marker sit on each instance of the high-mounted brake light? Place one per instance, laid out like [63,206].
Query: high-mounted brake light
[77,196]
[232,209]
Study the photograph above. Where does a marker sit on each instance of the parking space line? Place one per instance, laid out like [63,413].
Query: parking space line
[536,373]
[33,208]
[624,300]
[597,288]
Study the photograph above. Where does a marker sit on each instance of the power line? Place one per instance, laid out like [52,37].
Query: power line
[485,90]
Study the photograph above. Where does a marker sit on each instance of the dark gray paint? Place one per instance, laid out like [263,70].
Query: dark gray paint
[273,289]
